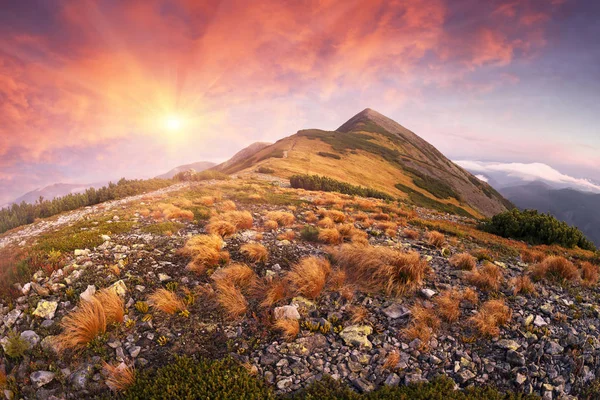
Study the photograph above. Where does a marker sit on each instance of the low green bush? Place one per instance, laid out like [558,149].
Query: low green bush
[310,233]
[15,346]
[536,228]
[325,184]
[329,155]
[187,378]
[265,170]
[208,175]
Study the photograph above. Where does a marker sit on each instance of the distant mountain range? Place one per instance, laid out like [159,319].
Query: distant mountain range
[56,190]
[197,166]
[581,209]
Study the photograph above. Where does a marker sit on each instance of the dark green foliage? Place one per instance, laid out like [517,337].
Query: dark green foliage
[536,228]
[441,388]
[325,184]
[265,170]
[23,214]
[341,142]
[81,236]
[275,153]
[188,176]
[310,233]
[187,378]
[434,186]
[421,200]
[15,347]
[329,155]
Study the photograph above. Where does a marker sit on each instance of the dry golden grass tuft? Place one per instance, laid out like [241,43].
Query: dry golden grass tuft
[326,223]
[436,239]
[113,305]
[381,217]
[336,216]
[232,300]
[488,278]
[555,269]
[239,275]
[206,251]
[382,268]
[118,377]
[470,295]
[82,325]
[523,285]
[330,236]
[358,314]
[289,327]
[360,238]
[255,252]
[532,256]
[220,227]
[310,217]
[227,205]
[283,218]
[287,235]
[274,292]
[447,305]
[270,225]
[491,315]
[206,201]
[410,234]
[360,216]
[171,211]
[166,301]
[239,219]
[392,360]
[309,276]
[589,273]
[347,230]
[424,324]
[463,261]
[365,204]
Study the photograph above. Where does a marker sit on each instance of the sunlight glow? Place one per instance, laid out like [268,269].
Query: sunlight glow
[173,123]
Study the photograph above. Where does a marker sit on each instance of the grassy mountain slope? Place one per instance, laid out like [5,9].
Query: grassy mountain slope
[372,150]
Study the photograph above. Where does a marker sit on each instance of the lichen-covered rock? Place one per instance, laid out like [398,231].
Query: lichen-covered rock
[45,309]
[357,335]
[41,378]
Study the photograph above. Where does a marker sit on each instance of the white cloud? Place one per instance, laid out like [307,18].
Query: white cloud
[529,172]
[482,178]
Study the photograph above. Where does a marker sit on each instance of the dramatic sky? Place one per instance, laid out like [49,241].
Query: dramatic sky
[97,90]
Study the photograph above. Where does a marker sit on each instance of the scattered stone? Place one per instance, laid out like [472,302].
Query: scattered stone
[41,378]
[30,337]
[12,317]
[396,310]
[356,335]
[45,309]
[428,293]
[88,293]
[539,321]
[287,312]
[120,288]
[554,348]
[163,277]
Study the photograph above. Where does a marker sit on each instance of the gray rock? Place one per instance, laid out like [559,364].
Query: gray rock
[31,337]
[508,344]
[539,321]
[515,358]
[41,378]
[135,351]
[520,379]
[464,376]
[428,293]
[396,310]
[287,312]
[12,317]
[363,385]
[392,380]
[88,293]
[284,383]
[554,348]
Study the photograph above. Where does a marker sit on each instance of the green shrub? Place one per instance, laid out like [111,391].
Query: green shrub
[275,153]
[439,388]
[208,175]
[187,378]
[439,189]
[325,184]
[329,155]
[163,227]
[536,228]
[310,233]
[23,214]
[15,346]
[265,170]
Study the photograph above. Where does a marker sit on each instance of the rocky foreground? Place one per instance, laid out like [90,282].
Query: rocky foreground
[548,346]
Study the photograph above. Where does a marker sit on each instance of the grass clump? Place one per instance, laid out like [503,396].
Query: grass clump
[330,236]
[282,218]
[309,276]
[436,239]
[205,251]
[488,277]
[118,377]
[166,301]
[447,305]
[523,285]
[82,326]
[555,269]
[382,268]
[309,233]
[288,327]
[491,315]
[255,252]
[464,261]
[589,273]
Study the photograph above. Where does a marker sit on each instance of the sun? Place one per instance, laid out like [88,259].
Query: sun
[173,123]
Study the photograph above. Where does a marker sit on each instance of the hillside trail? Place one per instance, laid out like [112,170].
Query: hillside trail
[20,235]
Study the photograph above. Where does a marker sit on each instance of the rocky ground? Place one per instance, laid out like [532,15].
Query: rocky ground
[549,347]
